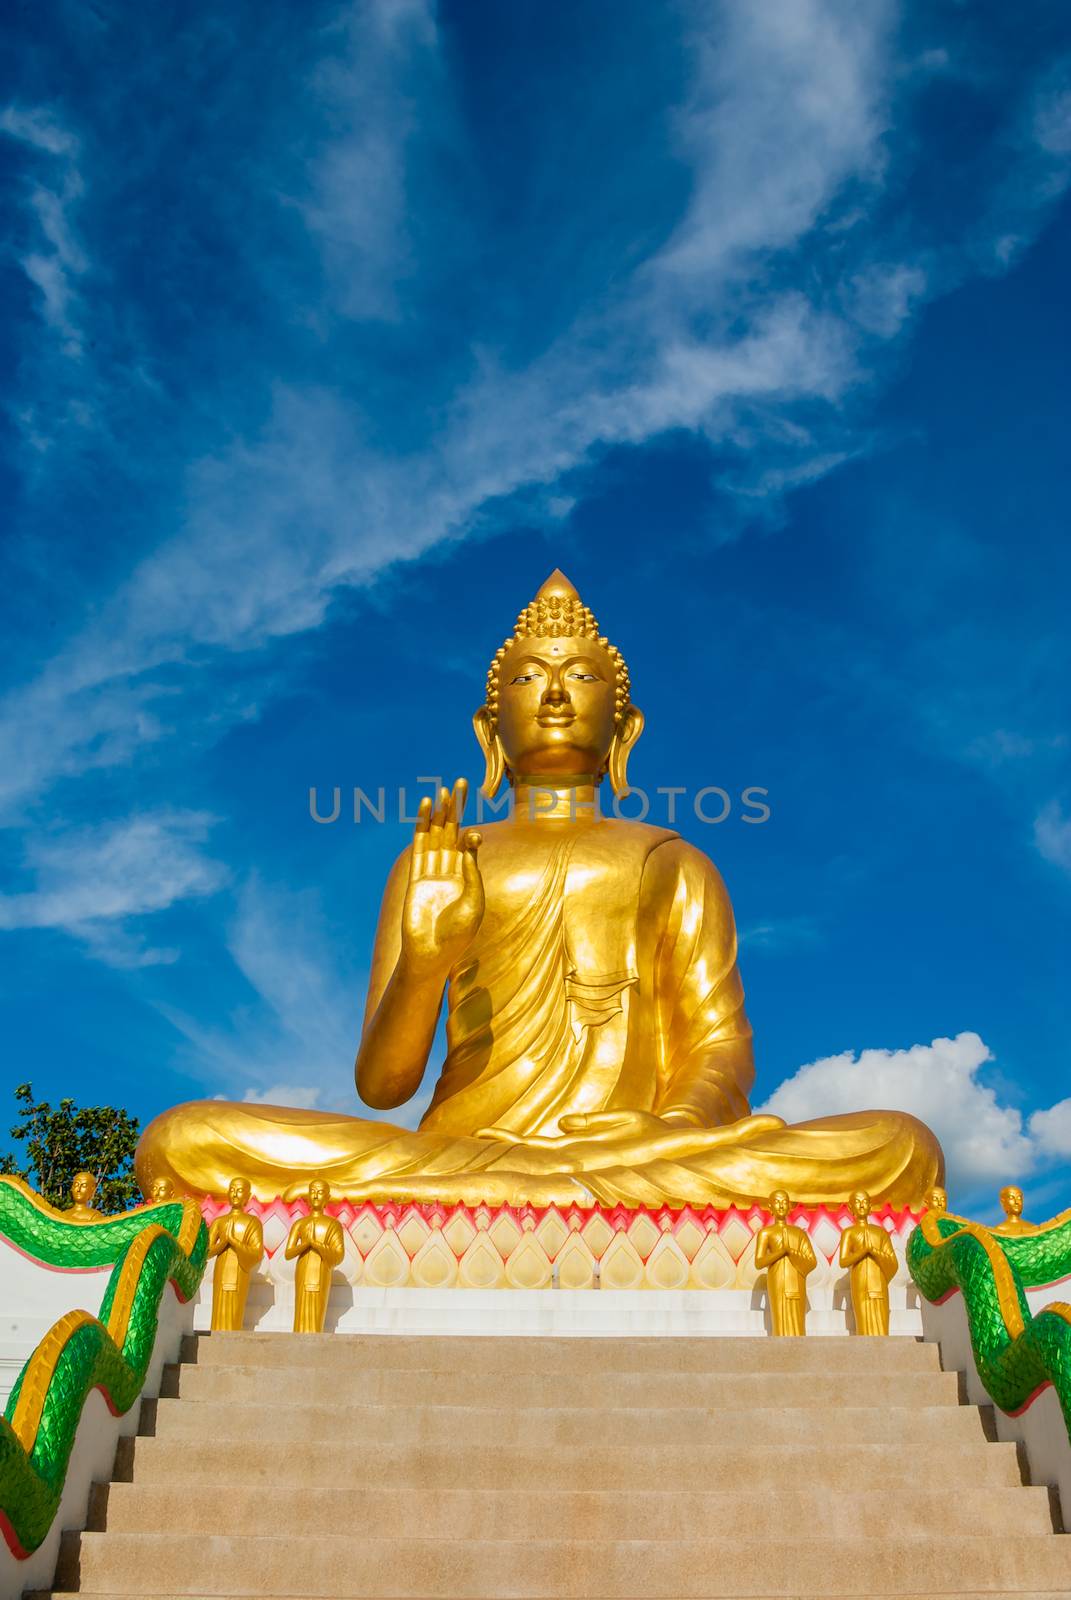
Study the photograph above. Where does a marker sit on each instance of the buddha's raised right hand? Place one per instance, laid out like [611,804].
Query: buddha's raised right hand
[444,900]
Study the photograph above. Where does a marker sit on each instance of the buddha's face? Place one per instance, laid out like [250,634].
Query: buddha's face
[556,707]
[859,1205]
[162,1189]
[937,1200]
[238,1193]
[83,1188]
[318,1194]
[1012,1201]
[779,1204]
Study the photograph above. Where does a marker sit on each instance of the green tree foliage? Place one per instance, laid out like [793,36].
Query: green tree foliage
[62,1140]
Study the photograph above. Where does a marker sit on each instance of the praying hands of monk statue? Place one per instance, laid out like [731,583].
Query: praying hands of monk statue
[866,1250]
[598,1048]
[236,1243]
[786,1255]
[318,1244]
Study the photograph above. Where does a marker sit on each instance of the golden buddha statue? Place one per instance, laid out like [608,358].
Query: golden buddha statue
[1014,1224]
[83,1189]
[318,1244]
[597,1044]
[236,1243]
[867,1251]
[786,1255]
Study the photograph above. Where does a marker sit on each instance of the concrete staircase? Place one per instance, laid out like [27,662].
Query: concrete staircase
[673,1469]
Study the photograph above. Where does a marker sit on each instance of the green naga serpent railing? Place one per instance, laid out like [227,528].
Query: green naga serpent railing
[1017,1354]
[150,1247]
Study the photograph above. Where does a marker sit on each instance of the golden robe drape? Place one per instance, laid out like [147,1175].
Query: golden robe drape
[611,984]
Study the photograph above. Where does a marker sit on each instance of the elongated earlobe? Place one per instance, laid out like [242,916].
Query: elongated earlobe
[627,732]
[493,754]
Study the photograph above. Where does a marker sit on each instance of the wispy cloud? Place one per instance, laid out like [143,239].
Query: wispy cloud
[51,254]
[1035,158]
[92,882]
[784,933]
[1052,835]
[294,1040]
[356,205]
[760,323]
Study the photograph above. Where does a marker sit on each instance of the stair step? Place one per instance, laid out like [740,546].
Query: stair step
[560,1569]
[445,1464]
[271,1425]
[829,1594]
[566,1513]
[574,1355]
[298,1467]
[296,1386]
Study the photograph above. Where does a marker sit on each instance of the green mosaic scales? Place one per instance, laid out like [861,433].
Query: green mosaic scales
[79,1353]
[1015,1352]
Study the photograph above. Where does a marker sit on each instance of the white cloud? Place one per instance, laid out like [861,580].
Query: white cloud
[788,102]
[1052,1130]
[90,881]
[36,127]
[785,131]
[357,200]
[54,269]
[284,1094]
[294,1042]
[1036,156]
[984,1141]
[882,298]
[783,933]
[1052,835]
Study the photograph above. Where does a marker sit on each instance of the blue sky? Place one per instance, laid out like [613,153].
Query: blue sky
[332,329]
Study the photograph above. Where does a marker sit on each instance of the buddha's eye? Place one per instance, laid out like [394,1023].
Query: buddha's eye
[584,677]
[523,677]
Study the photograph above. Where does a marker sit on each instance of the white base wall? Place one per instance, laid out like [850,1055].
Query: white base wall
[93,1455]
[1040,1428]
[555,1312]
[33,1297]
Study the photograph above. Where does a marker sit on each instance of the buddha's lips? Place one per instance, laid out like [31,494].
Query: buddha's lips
[555,719]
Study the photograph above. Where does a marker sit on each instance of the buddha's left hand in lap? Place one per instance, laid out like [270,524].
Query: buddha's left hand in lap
[604,1138]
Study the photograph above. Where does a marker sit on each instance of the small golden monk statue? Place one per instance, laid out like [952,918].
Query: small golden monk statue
[236,1242]
[788,1256]
[161,1192]
[1011,1203]
[83,1189]
[866,1250]
[597,1043]
[318,1244]
[937,1199]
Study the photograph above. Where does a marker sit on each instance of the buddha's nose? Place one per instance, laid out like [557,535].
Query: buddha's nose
[554,695]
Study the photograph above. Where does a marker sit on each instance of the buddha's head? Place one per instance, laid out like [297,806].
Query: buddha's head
[162,1190]
[937,1199]
[319,1194]
[558,707]
[779,1204]
[83,1188]
[238,1192]
[859,1205]
[1011,1200]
